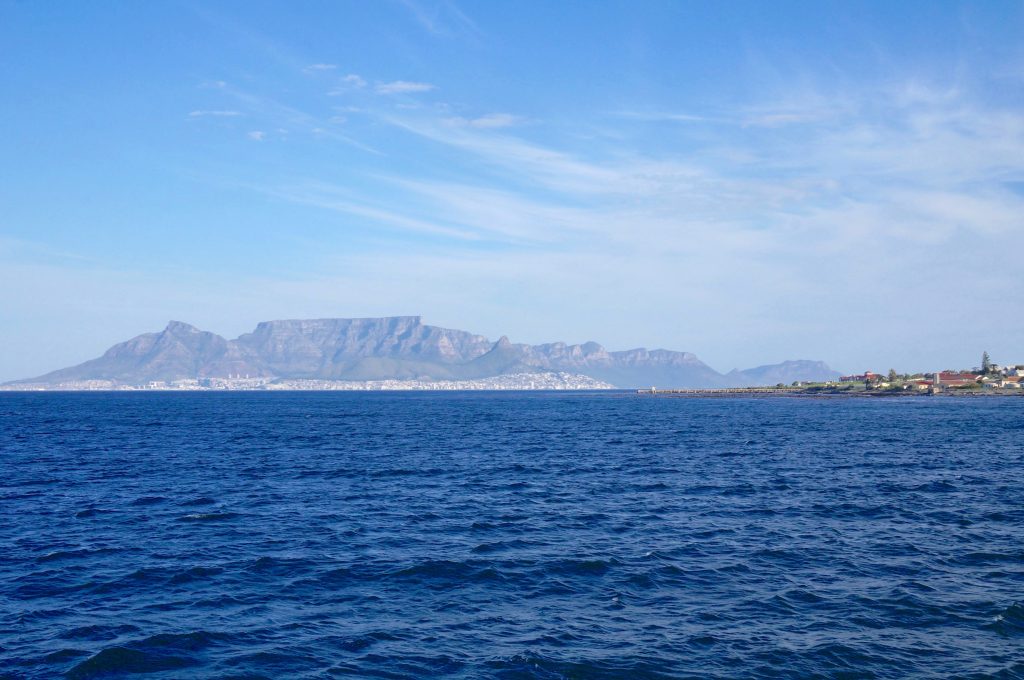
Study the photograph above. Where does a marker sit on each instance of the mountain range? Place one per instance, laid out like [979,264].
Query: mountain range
[398,348]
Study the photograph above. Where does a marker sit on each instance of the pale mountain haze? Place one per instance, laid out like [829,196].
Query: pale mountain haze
[397,348]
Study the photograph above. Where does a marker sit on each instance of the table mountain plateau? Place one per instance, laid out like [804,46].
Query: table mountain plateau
[399,348]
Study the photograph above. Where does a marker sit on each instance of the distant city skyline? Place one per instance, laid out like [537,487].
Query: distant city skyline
[750,182]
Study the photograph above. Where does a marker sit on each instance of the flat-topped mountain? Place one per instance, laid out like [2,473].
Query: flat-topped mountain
[397,348]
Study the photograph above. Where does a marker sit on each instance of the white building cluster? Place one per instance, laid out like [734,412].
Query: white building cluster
[517,381]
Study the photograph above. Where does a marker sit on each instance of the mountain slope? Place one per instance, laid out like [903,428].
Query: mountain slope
[785,373]
[180,350]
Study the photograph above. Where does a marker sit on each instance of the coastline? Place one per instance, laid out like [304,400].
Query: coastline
[830,394]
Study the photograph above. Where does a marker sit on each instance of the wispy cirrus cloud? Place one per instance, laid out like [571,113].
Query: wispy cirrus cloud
[347,84]
[443,18]
[403,87]
[553,168]
[488,121]
[369,214]
[812,170]
[283,116]
[663,116]
[222,113]
[906,169]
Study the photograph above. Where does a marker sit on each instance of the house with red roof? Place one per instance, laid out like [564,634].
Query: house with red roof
[958,379]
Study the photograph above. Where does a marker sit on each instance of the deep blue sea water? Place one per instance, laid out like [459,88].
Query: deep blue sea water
[510,535]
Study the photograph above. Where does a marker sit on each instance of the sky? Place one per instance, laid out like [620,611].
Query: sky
[748,181]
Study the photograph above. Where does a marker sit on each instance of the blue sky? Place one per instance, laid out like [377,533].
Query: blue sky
[748,181]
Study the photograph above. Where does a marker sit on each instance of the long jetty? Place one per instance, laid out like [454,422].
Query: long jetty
[723,391]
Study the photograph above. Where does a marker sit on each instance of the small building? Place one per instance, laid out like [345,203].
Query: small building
[866,376]
[958,379]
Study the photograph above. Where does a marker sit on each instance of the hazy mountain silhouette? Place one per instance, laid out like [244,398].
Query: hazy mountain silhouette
[400,347]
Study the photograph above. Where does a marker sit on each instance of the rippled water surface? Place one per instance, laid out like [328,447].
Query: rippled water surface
[510,536]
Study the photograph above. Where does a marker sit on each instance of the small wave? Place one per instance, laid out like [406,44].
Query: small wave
[845,659]
[208,516]
[202,500]
[75,554]
[334,578]
[780,556]
[644,581]
[447,570]
[401,472]
[704,640]
[656,486]
[140,578]
[1010,621]
[744,489]
[484,526]
[500,546]
[98,632]
[542,667]
[408,666]
[910,609]
[424,517]
[591,517]
[802,596]
[149,500]
[45,584]
[277,663]
[193,641]
[281,566]
[194,574]
[357,644]
[64,655]
[594,567]
[1004,516]
[935,487]
[989,558]
[115,660]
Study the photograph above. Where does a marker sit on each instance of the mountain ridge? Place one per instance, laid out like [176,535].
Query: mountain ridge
[399,347]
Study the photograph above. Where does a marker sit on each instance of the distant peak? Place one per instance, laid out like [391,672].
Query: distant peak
[503,341]
[180,327]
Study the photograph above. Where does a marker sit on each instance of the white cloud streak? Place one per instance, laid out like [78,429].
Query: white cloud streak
[347,84]
[284,116]
[444,19]
[488,121]
[403,87]
[214,114]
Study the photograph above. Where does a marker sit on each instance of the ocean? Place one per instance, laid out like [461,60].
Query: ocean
[509,535]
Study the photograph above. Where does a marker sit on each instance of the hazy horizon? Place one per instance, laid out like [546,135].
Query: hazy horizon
[748,182]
